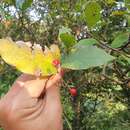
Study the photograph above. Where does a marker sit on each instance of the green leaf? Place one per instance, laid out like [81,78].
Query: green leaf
[127,3]
[23,4]
[64,30]
[120,40]
[27,4]
[84,56]
[110,2]
[128,20]
[11,2]
[68,39]
[92,13]
[89,41]
[127,59]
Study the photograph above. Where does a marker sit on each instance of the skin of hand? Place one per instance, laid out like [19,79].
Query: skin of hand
[25,108]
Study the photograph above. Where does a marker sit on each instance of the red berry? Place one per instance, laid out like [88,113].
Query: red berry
[56,62]
[73,92]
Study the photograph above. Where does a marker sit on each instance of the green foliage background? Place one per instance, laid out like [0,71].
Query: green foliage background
[103,101]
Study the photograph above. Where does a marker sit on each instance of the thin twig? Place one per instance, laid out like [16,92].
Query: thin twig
[67,121]
[116,81]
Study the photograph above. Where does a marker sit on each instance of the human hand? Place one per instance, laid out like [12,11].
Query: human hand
[27,107]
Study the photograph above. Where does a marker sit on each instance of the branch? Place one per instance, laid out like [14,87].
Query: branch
[105,45]
[116,81]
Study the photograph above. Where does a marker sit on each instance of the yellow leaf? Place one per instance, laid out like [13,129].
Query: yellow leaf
[118,13]
[27,60]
